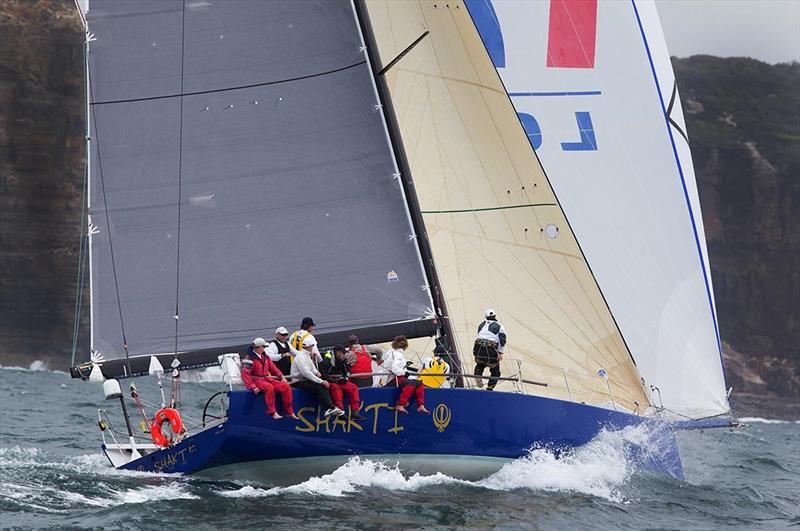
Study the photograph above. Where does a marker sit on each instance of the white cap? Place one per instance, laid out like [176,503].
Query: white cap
[281,330]
[309,341]
[259,342]
[490,313]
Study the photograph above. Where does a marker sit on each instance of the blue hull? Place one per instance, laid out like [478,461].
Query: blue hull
[467,423]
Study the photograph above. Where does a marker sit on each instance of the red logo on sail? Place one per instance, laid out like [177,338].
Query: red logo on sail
[572,33]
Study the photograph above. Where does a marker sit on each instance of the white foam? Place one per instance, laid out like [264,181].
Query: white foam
[35,366]
[171,491]
[598,468]
[355,474]
[759,420]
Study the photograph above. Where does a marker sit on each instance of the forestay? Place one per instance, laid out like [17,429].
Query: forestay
[497,233]
[594,86]
[242,172]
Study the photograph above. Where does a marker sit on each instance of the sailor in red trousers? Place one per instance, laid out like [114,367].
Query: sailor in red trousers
[336,369]
[260,375]
[394,360]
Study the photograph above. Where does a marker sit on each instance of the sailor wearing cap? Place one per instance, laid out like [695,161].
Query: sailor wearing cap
[260,375]
[280,351]
[488,348]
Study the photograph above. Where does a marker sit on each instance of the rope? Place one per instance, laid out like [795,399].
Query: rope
[108,229]
[180,174]
[83,247]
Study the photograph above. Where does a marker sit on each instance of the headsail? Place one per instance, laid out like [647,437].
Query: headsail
[497,233]
[594,86]
[242,173]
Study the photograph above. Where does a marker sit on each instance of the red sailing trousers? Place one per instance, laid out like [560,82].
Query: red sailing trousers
[338,390]
[407,387]
[269,388]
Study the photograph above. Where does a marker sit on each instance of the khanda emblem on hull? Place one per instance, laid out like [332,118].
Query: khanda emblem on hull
[441,417]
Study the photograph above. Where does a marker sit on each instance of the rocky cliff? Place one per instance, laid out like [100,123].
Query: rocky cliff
[41,177]
[743,118]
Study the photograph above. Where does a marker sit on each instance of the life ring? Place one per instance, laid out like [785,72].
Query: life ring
[166,414]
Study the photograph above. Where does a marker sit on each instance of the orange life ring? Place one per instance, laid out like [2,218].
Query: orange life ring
[162,416]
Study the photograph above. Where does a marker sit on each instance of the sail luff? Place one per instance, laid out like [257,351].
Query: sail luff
[378,69]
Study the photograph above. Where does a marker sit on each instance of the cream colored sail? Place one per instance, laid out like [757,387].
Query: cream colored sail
[498,236]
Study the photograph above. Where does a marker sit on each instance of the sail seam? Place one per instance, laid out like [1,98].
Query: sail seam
[487,209]
[225,89]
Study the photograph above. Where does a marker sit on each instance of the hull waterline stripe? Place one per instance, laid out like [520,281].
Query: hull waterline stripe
[685,190]
[487,209]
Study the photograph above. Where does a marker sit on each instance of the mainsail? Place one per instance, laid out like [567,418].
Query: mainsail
[242,177]
[593,84]
[498,235]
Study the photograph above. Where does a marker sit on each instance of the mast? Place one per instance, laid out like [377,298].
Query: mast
[90,228]
[395,138]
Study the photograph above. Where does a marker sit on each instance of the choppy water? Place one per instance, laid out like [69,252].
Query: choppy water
[52,475]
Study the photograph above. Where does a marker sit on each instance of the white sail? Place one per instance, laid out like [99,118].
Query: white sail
[595,89]
[497,233]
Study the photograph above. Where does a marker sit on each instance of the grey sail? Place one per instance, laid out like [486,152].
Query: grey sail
[242,174]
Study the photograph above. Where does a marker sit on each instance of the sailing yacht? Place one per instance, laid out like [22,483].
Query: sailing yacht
[366,162]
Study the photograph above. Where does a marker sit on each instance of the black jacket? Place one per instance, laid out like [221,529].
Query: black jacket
[334,370]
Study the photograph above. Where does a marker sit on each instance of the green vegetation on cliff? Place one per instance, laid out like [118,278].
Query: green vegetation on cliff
[743,121]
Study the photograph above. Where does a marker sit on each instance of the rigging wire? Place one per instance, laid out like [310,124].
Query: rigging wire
[180,174]
[108,228]
[83,247]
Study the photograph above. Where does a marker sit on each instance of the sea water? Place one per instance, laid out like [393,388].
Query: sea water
[52,474]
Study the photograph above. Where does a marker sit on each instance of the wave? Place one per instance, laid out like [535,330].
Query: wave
[35,366]
[599,468]
[759,420]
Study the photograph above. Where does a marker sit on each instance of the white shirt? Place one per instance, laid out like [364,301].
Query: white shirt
[303,368]
[394,362]
[274,355]
[498,336]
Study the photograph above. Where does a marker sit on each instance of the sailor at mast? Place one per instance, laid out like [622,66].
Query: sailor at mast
[488,348]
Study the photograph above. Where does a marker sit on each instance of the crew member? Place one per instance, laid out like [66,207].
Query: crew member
[363,362]
[260,375]
[336,369]
[280,352]
[297,338]
[488,349]
[394,360]
[306,375]
[434,368]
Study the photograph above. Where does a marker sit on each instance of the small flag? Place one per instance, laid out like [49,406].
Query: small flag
[391,276]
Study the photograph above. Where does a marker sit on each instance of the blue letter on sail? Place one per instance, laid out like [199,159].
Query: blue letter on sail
[532,129]
[588,141]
